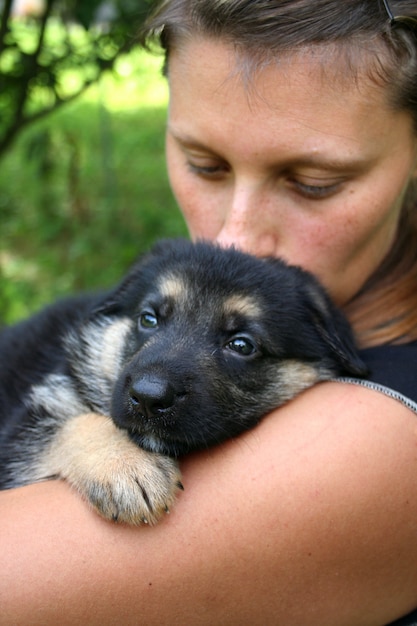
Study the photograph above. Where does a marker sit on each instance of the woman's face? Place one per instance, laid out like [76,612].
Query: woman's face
[299,162]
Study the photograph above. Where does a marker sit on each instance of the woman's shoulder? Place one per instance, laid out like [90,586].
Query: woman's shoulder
[392,372]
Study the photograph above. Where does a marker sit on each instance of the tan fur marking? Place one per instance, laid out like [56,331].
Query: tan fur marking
[242,305]
[172,287]
[113,344]
[122,481]
[294,377]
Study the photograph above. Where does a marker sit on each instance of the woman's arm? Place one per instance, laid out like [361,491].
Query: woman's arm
[310,518]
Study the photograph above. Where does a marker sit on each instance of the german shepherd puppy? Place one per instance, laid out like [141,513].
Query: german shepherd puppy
[193,347]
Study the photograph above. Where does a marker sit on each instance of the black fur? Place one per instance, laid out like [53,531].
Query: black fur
[194,346]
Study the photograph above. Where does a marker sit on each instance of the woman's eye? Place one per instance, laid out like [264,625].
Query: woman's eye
[242,346]
[211,171]
[148,320]
[316,192]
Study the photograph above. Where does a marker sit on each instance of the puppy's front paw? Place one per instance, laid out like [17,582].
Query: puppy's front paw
[135,489]
[123,482]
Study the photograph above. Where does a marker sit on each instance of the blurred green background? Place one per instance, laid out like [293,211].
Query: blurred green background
[84,190]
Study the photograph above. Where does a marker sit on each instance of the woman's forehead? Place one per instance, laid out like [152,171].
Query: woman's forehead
[347,57]
[220,69]
[301,101]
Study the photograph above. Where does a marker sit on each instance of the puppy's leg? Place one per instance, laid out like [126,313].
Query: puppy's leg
[122,481]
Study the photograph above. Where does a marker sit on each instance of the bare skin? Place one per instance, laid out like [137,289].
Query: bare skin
[311,518]
[302,164]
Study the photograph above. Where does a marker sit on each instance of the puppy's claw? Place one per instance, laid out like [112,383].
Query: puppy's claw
[127,497]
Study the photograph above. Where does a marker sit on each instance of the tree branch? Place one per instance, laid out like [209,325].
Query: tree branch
[4,24]
[30,71]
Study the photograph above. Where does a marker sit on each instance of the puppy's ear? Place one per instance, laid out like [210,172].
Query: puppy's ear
[335,331]
[123,299]
[108,306]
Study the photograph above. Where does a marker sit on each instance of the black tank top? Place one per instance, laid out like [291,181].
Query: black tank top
[395,369]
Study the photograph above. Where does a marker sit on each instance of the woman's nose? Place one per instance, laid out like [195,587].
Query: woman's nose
[247,224]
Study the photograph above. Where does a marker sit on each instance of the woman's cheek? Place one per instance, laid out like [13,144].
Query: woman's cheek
[202,220]
[200,209]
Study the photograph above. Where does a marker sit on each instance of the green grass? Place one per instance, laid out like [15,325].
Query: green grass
[85,190]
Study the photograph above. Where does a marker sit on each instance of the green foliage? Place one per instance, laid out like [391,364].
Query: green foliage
[85,190]
[49,59]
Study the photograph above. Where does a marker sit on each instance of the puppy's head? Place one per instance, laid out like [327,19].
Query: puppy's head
[220,338]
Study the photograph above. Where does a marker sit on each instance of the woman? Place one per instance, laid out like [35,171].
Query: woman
[291,131]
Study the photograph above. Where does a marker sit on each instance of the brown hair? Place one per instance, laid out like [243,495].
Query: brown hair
[385,309]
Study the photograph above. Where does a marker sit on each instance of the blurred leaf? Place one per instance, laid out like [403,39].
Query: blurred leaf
[49,59]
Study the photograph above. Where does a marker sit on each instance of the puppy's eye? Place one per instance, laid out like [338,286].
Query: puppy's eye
[242,346]
[148,320]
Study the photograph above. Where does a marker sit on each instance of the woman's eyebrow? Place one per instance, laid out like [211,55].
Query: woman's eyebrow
[334,162]
[187,141]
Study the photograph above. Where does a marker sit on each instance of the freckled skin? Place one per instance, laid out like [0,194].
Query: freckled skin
[320,186]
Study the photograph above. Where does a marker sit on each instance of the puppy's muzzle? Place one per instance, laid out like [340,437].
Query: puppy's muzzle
[153,396]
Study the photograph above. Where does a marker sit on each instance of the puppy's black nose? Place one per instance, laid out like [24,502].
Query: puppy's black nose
[151,396]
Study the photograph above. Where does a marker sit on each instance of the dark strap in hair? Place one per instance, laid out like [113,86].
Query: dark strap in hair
[400,20]
[388,10]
